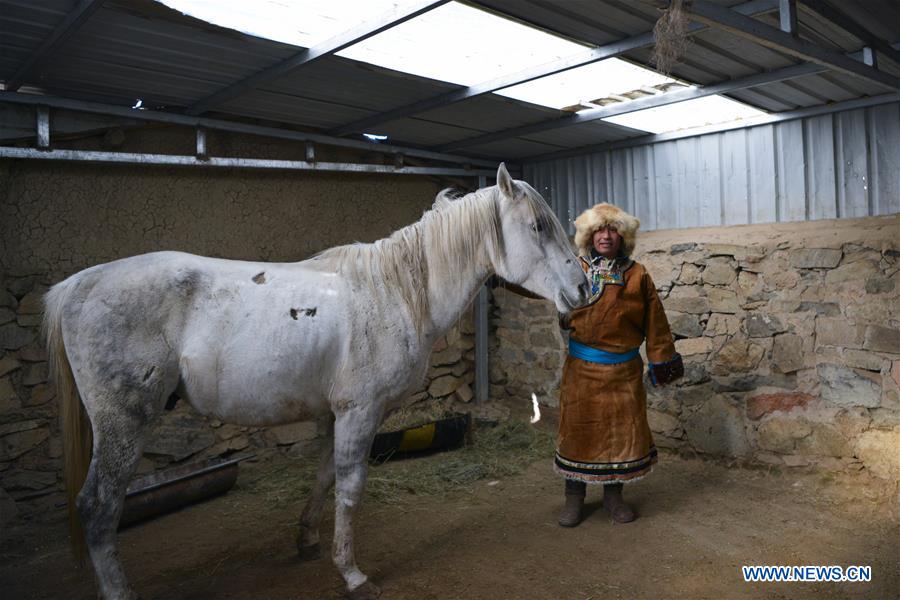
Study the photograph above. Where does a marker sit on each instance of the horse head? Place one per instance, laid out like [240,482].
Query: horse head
[535,252]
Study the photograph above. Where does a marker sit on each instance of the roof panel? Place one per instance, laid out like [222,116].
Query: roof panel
[583,134]
[855,86]
[134,49]
[291,109]
[715,55]
[157,86]
[491,113]
[878,16]
[592,21]
[466,120]
[513,149]
[24,25]
[165,58]
[731,55]
[358,84]
[423,132]
[153,43]
[762,99]
[800,92]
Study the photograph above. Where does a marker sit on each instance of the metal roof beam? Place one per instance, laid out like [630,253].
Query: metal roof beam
[843,21]
[781,117]
[587,57]
[765,35]
[612,110]
[331,46]
[63,31]
[232,126]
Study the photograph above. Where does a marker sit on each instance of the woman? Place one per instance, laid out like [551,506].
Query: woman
[604,437]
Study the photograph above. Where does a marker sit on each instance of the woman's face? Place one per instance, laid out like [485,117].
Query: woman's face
[607,242]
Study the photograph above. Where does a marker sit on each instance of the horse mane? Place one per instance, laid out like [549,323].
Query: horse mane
[453,230]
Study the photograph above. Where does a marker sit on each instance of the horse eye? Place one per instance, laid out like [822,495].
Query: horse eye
[537,227]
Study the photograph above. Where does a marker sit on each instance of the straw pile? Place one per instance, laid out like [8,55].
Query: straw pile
[496,452]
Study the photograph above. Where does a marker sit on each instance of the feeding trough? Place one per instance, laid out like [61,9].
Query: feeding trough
[443,434]
[158,493]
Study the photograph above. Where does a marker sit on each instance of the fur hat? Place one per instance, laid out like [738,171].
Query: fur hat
[603,215]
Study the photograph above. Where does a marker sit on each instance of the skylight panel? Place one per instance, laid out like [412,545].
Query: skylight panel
[588,83]
[299,22]
[711,110]
[462,45]
[454,42]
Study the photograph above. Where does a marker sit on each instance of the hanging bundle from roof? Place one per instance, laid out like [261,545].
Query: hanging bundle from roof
[671,35]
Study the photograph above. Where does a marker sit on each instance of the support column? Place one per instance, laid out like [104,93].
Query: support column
[42,126]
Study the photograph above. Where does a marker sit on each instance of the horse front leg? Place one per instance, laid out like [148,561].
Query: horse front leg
[353,435]
[311,518]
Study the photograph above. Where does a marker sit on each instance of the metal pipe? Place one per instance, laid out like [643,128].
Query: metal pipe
[90,156]
[234,127]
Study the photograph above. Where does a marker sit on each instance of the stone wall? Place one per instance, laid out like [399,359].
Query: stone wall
[56,219]
[790,334]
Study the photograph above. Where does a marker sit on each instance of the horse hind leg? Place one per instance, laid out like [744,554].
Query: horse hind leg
[119,430]
[308,546]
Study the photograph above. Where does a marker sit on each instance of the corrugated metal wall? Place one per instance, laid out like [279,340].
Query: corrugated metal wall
[844,164]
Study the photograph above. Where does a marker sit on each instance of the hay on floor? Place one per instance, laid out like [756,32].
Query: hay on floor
[495,452]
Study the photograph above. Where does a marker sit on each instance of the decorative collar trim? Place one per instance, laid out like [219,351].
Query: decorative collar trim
[602,271]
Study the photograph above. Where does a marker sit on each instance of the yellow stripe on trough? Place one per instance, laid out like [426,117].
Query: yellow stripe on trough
[438,435]
[418,438]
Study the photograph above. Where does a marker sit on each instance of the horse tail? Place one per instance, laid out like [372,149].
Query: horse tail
[74,421]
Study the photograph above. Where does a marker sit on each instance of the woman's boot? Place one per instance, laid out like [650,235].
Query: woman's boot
[612,501]
[571,512]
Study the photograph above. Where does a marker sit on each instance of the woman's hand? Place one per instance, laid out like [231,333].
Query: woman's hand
[665,373]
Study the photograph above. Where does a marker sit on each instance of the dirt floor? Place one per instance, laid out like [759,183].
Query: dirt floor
[498,538]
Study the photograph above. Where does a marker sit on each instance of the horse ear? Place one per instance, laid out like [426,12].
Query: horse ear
[505,183]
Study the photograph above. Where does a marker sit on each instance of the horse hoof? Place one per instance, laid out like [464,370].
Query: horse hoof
[366,591]
[312,552]
[127,595]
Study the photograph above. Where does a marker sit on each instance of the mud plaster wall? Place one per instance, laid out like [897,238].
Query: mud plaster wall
[56,219]
[790,334]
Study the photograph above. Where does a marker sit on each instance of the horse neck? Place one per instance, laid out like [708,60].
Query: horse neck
[451,292]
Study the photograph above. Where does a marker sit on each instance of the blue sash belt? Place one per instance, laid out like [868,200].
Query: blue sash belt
[596,355]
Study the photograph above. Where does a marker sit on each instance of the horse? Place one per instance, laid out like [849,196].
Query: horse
[341,337]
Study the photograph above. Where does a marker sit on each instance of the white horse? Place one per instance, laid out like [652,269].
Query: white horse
[342,336]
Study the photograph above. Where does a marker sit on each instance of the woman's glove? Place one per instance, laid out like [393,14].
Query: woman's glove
[667,372]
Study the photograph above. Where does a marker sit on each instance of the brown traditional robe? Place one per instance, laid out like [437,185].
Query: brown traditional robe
[603,432]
